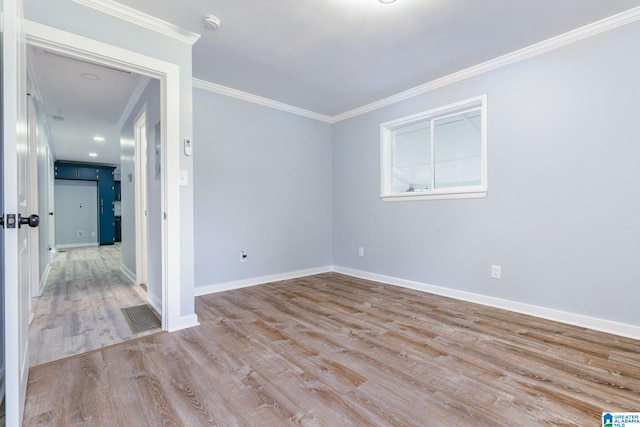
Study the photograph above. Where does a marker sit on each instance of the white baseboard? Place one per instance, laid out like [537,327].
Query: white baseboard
[603,325]
[76,245]
[129,274]
[184,322]
[154,302]
[44,278]
[2,390]
[245,283]
[608,326]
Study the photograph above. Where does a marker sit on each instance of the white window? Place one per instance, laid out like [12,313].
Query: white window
[438,154]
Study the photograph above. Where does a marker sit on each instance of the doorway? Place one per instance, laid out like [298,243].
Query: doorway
[76,334]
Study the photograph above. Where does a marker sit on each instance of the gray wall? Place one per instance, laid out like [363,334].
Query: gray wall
[262,184]
[87,22]
[562,216]
[150,97]
[76,210]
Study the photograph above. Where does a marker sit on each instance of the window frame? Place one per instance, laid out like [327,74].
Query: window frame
[386,153]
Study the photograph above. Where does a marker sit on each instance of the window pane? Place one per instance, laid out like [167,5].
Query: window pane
[411,158]
[458,150]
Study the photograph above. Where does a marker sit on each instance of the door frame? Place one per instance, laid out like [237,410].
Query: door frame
[141,200]
[169,75]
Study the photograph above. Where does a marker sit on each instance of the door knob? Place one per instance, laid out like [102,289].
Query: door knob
[31,221]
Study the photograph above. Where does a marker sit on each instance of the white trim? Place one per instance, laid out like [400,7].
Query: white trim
[169,76]
[2,387]
[141,19]
[478,103]
[135,97]
[129,275]
[603,325]
[170,202]
[245,283]
[140,192]
[245,96]
[184,322]
[42,108]
[608,326]
[77,245]
[556,42]
[154,302]
[434,195]
[45,277]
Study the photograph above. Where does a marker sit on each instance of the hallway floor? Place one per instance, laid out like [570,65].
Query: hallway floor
[79,309]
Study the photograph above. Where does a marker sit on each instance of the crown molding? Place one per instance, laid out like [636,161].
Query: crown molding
[135,96]
[245,96]
[589,30]
[136,17]
[572,36]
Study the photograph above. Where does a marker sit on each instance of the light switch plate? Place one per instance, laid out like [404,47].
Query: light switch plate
[184,178]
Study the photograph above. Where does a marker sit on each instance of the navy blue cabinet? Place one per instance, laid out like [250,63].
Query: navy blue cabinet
[76,171]
[106,193]
[106,208]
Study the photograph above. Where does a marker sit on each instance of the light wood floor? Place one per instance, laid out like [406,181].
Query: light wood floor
[79,309]
[329,350]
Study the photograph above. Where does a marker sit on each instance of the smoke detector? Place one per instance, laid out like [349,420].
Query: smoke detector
[211,22]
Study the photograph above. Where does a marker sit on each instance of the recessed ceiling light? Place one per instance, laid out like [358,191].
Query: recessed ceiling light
[387,1]
[90,76]
[98,138]
[93,154]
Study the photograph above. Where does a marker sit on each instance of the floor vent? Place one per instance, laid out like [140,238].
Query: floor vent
[141,318]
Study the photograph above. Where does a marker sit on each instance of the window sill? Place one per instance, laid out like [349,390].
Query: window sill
[404,197]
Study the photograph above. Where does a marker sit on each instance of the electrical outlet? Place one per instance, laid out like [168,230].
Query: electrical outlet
[496,271]
[360,251]
[93,234]
[243,256]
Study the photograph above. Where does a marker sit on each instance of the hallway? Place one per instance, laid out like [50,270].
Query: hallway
[79,309]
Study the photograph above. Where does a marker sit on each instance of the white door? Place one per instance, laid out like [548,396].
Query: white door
[15,202]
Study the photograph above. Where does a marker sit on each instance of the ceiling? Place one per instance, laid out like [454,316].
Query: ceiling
[78,108]
[324,56]
[331,56]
